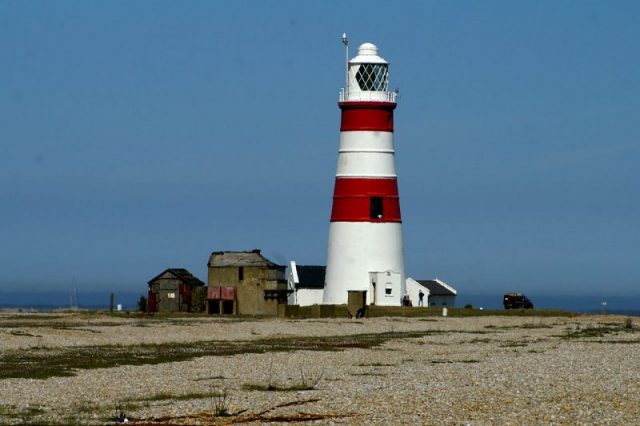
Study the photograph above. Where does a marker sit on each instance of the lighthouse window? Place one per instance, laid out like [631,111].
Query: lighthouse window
[375,208]
[372,77]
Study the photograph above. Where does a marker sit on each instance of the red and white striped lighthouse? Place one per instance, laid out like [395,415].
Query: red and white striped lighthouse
[365,250]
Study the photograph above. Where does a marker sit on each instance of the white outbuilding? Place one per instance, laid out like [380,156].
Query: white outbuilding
[307,283]
[436,292]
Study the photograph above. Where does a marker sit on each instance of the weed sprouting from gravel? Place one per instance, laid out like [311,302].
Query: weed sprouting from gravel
[628,323]
[220,404]
[307,382]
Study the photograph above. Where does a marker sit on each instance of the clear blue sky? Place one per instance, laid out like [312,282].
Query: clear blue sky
[136,136]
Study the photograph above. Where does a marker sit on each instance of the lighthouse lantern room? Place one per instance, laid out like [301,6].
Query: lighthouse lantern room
[365,251]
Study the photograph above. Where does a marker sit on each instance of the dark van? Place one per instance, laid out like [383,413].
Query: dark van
[516,301]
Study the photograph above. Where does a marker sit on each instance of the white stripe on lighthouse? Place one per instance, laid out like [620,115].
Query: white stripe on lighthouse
[366,154]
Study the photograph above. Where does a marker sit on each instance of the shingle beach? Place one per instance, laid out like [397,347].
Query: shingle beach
[431,370]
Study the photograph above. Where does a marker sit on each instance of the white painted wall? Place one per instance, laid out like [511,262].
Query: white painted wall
[413,288]
[308,296]
[388,288]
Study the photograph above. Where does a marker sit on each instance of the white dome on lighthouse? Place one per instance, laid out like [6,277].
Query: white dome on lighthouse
[368,49]
[368,54]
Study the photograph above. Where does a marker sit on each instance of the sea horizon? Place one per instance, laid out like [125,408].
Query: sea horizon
[53,300]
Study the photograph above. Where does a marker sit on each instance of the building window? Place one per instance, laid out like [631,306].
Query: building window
[241,273]
[375,208]
[388,290]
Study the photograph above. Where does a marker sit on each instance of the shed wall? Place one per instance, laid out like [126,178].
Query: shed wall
[168,295]
[308,296]
[250,290]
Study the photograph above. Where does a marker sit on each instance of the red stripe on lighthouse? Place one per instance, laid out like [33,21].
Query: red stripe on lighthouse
[376,116]
[366,200]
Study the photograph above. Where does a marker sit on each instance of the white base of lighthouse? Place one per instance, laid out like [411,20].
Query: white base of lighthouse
[359,254]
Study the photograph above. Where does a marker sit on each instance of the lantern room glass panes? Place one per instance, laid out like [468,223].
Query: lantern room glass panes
[372,77]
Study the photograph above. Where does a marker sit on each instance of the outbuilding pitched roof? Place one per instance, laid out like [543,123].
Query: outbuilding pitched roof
[240,258]
[437,287]
[181,274]
[311,276]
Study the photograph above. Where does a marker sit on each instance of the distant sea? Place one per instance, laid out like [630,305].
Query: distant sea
[586,304]
[47,301]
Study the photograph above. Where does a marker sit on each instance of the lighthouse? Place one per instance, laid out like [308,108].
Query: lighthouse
[365,252]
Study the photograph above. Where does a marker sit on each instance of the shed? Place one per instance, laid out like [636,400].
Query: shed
[307,283]
[436,292]
[170,291]
[245,282]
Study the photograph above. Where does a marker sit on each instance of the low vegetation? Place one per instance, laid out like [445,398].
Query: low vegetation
[375,364]
[514,344]
[370,373]
[27,415]
[525,326]
[436,311]
[167,396]
[278,387]
[462,361]
[42,363]
[600,330]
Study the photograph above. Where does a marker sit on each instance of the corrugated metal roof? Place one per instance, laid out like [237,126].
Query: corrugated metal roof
[437,287]
[240,258]
[181,274]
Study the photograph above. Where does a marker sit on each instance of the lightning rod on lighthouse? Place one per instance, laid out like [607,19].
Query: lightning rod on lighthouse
[365,248]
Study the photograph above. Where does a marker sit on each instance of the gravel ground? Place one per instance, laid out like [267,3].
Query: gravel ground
[481,370]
